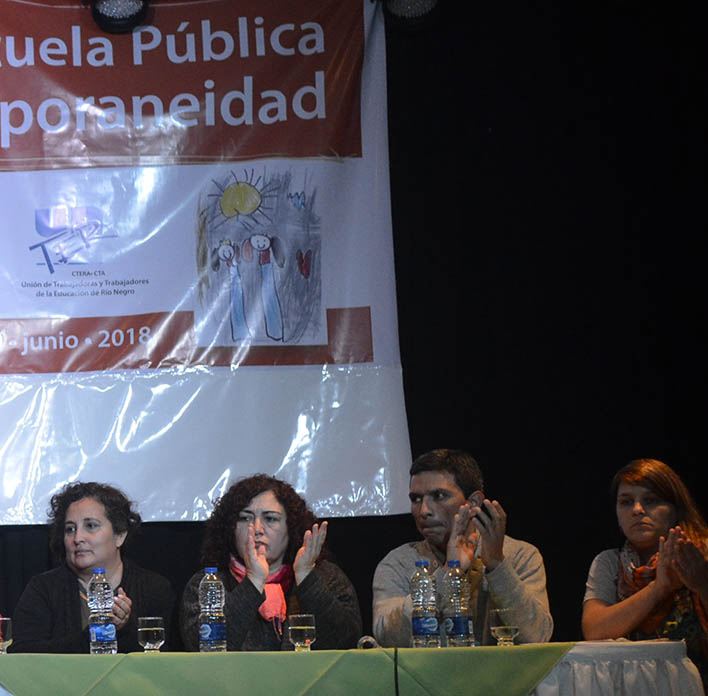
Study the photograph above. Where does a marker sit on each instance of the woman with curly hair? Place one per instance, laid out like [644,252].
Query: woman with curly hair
[89,525]
[269,551]
[656,585]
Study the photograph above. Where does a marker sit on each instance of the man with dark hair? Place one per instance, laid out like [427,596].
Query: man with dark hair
[458,523]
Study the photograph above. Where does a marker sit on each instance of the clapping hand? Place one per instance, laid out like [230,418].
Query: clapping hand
[490,520]
[309,552]
[122,604]
[255,560]
[687,561]
[463,538]
[666,578]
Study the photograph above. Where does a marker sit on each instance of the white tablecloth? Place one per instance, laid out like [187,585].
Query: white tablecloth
[623,668]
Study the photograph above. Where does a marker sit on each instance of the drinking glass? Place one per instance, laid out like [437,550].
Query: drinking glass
[5,634]
[301,631]
[151,633]
[502,626]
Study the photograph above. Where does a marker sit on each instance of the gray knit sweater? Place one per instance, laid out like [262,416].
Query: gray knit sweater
[519,582]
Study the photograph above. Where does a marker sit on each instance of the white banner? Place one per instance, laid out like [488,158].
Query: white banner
[197,275]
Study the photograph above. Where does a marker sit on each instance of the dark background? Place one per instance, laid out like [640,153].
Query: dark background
[548,195]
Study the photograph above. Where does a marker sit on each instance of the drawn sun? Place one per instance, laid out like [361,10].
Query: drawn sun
[245,199]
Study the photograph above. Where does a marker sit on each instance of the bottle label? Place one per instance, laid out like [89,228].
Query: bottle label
[457,626]
[212,631]
[425,626]
[102,633]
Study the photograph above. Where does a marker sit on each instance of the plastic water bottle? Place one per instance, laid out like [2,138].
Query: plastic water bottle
[212,623]
[102,630]
[455,607]
[426,629]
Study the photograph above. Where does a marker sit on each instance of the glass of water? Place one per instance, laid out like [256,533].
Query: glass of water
[301,631]
[502,626]
[5,634]
[151,633]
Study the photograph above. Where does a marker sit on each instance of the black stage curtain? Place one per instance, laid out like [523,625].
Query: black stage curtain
[547,178]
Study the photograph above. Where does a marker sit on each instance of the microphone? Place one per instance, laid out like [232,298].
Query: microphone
[367,642]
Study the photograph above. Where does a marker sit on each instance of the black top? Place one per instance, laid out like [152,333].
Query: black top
[326,592]
[47,618]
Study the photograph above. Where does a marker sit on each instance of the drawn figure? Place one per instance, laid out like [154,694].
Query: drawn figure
[268,247]
[228,253]
[304,262]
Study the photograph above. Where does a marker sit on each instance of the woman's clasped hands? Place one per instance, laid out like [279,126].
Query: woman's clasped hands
[122,605]
[681,563]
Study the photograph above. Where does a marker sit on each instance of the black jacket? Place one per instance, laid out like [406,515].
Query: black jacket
[47,618]
[326,592]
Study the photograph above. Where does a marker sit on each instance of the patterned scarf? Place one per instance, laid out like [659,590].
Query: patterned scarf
[278,584]
[679,616]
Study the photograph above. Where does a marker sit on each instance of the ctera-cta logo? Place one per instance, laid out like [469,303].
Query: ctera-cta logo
[69,234]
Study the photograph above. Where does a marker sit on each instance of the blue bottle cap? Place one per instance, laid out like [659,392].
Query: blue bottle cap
[99,570]
[422,563]
[454,564]
[210,570]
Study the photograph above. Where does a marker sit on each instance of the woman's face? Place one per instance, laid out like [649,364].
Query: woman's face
[643,517]
[270,525]
[89,539]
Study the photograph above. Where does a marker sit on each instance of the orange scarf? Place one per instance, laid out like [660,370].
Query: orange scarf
[278,584]
[662,620]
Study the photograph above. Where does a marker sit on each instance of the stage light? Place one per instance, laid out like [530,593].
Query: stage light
[409,14]
[118,16]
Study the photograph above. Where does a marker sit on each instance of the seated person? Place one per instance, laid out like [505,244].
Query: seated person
[89,526]
[269,551]
[457,522]
[656,585]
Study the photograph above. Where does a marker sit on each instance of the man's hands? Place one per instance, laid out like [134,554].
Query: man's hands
[487,522]
[490,520]
[463,538]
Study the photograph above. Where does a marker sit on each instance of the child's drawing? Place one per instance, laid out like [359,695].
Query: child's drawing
[258,247]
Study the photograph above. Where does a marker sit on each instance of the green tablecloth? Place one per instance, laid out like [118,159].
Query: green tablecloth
[451,671]
[510,671]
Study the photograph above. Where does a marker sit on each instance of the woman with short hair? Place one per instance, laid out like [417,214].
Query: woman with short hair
[89,525]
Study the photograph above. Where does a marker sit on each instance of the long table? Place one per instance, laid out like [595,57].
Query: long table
[552,669]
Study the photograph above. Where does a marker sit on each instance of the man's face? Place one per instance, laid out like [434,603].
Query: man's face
[435,499]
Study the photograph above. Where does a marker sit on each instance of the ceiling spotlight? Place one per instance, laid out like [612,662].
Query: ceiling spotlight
[409,14]
[119,16]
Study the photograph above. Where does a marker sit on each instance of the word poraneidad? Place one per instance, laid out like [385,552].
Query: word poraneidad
[55,114]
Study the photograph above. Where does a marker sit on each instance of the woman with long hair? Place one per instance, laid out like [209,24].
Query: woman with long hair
[656,585]
[269,551]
